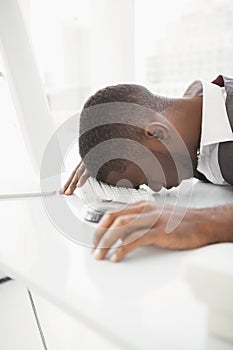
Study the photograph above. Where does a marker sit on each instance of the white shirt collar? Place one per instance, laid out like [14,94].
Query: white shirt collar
[215,123]
[215,127]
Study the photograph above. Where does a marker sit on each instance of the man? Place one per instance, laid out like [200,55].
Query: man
[162,142]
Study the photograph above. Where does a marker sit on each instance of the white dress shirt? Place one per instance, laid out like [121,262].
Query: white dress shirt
[215,128]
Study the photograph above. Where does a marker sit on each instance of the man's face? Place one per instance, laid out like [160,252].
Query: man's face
[156,177]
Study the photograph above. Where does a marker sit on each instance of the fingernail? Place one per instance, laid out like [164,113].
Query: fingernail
[113,258]
[67,191]
[97,253]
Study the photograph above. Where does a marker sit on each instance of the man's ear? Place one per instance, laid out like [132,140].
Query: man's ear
[157,130]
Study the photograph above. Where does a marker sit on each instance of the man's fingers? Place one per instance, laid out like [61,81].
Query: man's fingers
[64,188]
[103,242]
[83,178]
[100,253]
[134,216]
[133,241]
[116,219]
[122,228]
[73,180]
[109,217]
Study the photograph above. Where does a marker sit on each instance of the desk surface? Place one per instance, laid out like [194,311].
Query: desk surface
[136,303]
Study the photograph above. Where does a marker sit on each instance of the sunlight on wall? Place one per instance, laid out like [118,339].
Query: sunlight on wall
[183,40]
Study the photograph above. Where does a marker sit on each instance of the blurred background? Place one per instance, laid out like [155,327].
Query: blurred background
[83,45]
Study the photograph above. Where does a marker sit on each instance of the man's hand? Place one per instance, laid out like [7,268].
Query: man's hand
[144,223]
[77,178]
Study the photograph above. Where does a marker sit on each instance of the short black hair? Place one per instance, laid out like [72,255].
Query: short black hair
[115,112]
[129,93]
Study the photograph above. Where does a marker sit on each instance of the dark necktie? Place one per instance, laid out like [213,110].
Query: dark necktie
[225,151]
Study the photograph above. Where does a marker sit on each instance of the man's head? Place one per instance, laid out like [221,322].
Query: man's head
[126,137]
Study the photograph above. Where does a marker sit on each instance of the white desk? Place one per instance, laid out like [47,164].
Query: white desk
[139,303]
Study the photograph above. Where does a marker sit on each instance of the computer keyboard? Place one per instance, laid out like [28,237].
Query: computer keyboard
[100,197]
[109,193]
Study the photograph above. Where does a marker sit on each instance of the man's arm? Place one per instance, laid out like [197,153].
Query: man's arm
[144,223]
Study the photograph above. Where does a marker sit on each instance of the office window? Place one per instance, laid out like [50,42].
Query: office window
[81,46]
[180,41]
[84,45]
